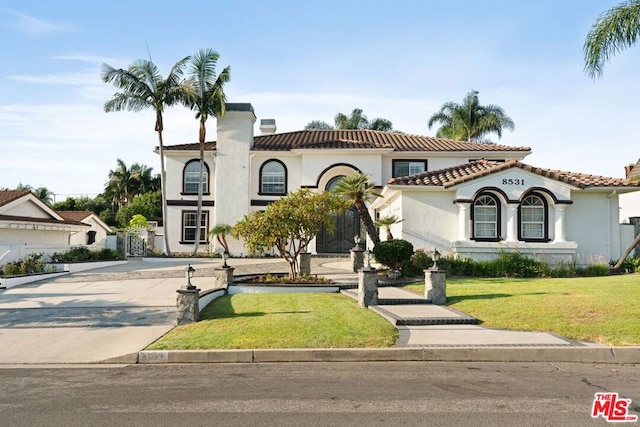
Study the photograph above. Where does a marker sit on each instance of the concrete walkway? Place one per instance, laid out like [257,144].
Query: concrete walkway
[104,314]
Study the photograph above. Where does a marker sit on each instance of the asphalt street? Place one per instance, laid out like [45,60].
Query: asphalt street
[313,394]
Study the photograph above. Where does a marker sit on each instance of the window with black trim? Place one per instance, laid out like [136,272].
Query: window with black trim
[533,219]
[189,228]
[486,217]
[408,167]
[273,178]
[191,175]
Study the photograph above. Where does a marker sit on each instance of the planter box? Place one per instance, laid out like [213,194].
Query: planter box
[9,282]
[84,266]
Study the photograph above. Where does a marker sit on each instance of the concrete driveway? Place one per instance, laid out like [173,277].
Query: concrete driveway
[94,315]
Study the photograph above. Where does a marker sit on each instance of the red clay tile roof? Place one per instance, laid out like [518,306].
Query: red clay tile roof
[8,196]
[345,138]
[458,174]
[74,215]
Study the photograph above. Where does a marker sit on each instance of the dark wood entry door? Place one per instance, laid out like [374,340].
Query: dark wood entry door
[341,238]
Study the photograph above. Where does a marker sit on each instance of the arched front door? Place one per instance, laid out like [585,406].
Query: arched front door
[346,227]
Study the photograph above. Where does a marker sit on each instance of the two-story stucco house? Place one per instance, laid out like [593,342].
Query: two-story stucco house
[464,198]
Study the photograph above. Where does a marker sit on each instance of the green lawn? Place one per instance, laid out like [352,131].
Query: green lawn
[605,310]
[283,320]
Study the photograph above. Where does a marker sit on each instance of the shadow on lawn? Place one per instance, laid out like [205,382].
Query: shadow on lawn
[222,308]
[458,298]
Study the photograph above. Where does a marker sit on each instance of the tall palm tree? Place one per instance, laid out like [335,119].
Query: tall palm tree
[142,88]
[614,30]
[44,194]
[470,121]
[358,190]
[208,100]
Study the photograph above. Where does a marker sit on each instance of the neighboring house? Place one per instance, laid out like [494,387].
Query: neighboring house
[447,194]
[96,237]
[28,225]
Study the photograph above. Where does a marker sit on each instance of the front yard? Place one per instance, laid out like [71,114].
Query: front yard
[605,310]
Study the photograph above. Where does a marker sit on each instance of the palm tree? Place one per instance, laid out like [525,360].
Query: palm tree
[357,120]
[358,190]
[470,121]
[44,194]
[220,231]
[614,30]
[208,100]
[120,185]
[387,222]
[143,87]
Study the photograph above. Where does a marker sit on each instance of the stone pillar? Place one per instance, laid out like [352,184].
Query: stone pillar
[435,286]
[357,259]
[223,276]
[187,304]
[463,221]
[367,287]
[512,223]
[559,234]
[304,262]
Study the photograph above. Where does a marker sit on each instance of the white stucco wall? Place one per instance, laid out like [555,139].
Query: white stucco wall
[592,222]
[25,208]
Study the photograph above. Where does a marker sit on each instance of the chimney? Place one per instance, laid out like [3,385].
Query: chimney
[267,126]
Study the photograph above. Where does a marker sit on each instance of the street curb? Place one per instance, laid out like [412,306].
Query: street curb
[615,355]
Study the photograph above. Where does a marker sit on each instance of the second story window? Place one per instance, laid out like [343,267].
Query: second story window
[192,175]
[408,167]
[273,178]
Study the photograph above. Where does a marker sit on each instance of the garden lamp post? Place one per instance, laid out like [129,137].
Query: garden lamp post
[225,256]
[189,274]
[356,239]
[436,258]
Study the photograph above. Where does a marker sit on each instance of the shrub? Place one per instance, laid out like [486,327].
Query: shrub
[393,253]
[32,264]
[82,253]
[598,269]
[563,269]
[419,262]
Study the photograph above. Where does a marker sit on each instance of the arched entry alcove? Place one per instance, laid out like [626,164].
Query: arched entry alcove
[346,227]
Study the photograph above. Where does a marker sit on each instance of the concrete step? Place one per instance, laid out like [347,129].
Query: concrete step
[402,301]
[423,315]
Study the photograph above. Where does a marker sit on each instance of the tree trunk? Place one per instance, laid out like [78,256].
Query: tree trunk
[627,253]
[163,180]
[202,135]
[366,220]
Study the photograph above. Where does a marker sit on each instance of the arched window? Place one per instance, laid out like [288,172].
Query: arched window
[273,178]
[533,219]
[191,175]
[486,218]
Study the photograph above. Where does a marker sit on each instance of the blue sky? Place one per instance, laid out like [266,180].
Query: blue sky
[300,62]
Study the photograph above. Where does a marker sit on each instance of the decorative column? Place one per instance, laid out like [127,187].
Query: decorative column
[463,221]
[512,223]
[187,301]
[435,282]
[559,223]
[367,285]
[223,276]
[304,262]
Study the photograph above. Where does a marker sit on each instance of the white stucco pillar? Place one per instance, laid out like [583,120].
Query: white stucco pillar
[512,223]
[463,221]
[559,223]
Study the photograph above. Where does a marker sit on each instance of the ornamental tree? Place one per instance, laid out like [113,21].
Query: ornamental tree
[289,224]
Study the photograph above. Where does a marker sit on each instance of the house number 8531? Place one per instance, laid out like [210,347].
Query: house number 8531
[516,181]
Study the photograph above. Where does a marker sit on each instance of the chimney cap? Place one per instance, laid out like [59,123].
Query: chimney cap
[239,106]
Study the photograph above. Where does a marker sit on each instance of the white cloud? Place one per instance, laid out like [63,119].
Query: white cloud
[34,27]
